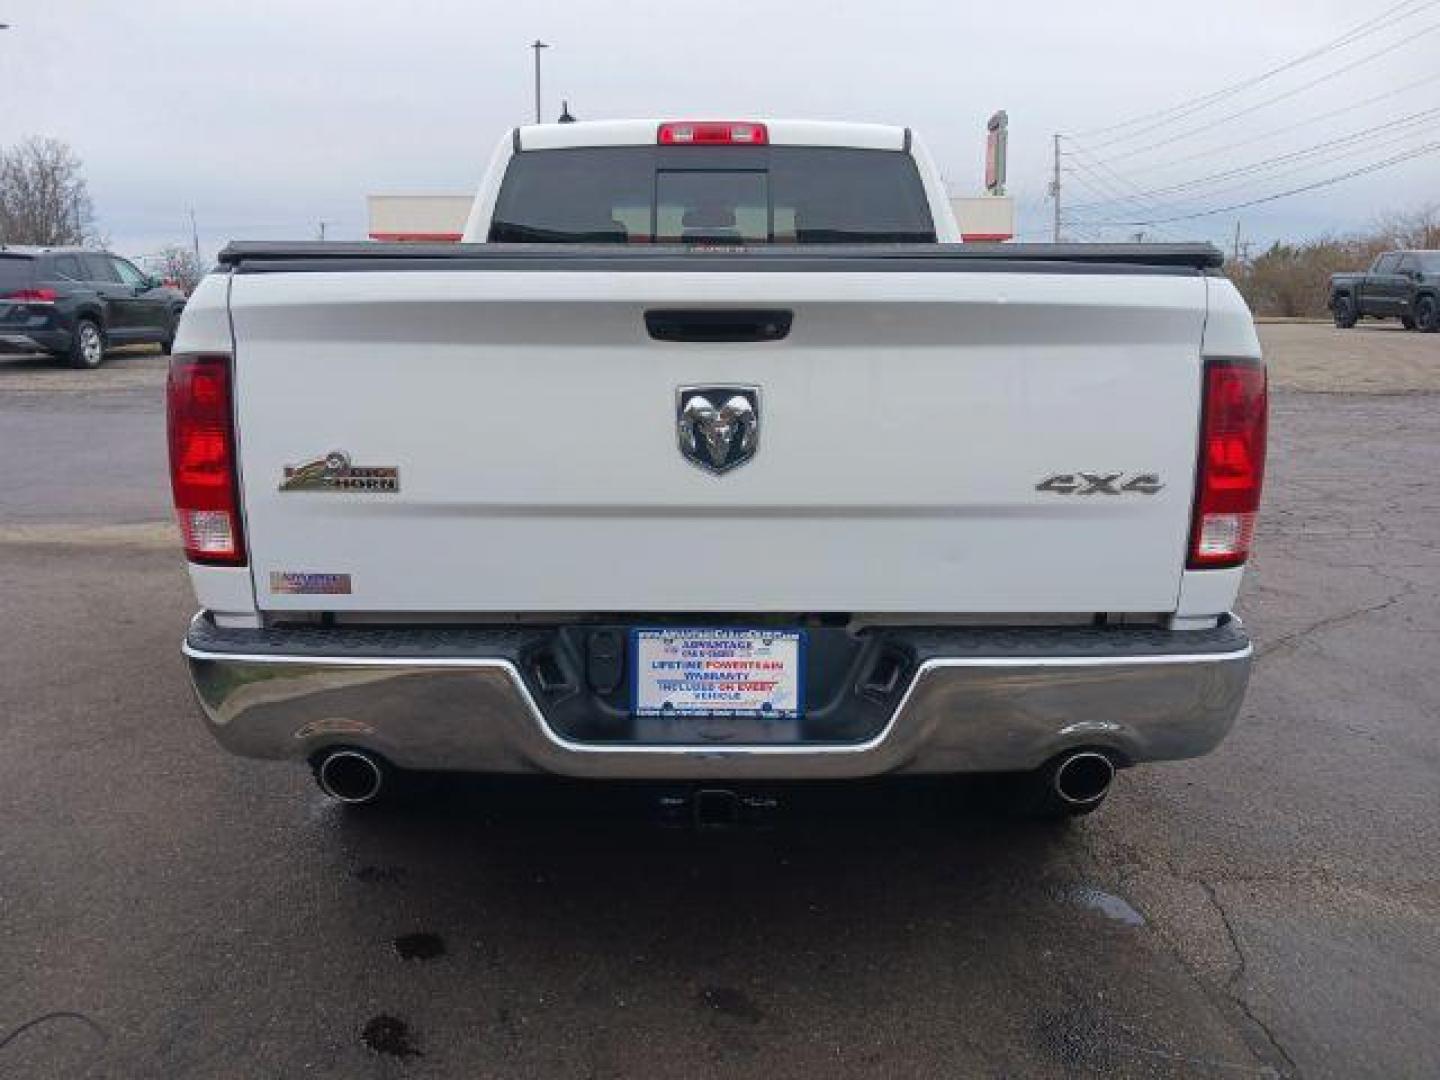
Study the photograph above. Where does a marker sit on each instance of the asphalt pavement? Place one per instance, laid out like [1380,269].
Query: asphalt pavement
[166,910]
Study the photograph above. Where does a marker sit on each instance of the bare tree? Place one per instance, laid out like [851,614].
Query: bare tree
[1415,229]
[1294,279]
[43,198]
[180,265]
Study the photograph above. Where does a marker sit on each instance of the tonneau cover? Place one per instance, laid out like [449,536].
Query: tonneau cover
[300,256]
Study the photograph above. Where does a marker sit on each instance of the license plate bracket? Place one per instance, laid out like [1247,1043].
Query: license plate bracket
[717,672]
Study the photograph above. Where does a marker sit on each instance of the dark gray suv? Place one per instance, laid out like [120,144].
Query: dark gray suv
[75,303]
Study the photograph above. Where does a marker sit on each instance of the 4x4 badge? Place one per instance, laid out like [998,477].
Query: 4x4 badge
[1098,483]
[334,472]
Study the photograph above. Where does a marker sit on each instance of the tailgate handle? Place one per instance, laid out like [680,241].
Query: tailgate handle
[717,324]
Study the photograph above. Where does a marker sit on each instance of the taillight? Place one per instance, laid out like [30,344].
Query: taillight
[712,133]
[32,296]
[1232,463]
[203,475]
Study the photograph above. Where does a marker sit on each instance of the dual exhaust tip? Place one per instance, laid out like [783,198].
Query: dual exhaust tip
[1083,778]
[351,776]
[356,777]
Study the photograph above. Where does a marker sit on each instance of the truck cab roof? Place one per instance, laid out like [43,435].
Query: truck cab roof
[646,132]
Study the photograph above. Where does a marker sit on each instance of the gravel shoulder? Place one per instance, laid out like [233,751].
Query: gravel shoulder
[1371,358]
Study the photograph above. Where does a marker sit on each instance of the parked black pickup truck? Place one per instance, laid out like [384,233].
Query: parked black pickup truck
[1403,284]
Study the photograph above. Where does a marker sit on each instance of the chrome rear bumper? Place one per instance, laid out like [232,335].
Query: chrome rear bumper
[1006,707]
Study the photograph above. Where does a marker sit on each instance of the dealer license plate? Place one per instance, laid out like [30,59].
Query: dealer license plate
[718,672]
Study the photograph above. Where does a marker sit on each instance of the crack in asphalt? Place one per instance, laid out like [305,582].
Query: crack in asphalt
[49,1018]
[1290,640]
[1229,990]
[1234,988]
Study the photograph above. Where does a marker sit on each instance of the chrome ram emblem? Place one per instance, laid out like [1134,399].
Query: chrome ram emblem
[718,426]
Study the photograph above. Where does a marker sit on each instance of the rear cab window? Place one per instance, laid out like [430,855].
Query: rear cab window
[722,194]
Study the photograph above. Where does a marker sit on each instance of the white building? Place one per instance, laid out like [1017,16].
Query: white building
[984,217]
[417,218]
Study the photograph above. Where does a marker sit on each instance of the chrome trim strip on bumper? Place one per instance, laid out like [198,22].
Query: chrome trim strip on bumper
[959,714]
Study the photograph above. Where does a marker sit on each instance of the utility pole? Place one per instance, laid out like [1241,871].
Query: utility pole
[537,46]
[1235,250]
[195,236]
[1055,190]
[322,225]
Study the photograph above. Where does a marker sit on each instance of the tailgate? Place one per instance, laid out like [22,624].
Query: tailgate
[908,424]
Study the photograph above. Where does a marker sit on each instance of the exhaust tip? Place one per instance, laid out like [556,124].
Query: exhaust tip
[350,776]
[1084,778]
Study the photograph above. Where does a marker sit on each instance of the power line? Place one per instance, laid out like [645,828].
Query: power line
[1177,206]
[1154,208]
[1266,164]
[1079,159]
[1158,205]
[1087,230]
[1114,196]
[1375,167]
[1094,182]
[1211,125]
[1356,33]
[1190,105]
[1096,186]
[1212,151]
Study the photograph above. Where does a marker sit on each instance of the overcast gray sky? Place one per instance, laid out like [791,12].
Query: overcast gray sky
[269,116]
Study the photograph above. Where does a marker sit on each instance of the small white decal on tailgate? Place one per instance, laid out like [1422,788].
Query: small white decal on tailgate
[289,581]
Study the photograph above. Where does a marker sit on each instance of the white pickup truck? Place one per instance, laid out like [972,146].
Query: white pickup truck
[711,455]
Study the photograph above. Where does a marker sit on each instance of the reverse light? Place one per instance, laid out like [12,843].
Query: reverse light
[203,474]
[32,296]
[1232,463]
[712,133]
